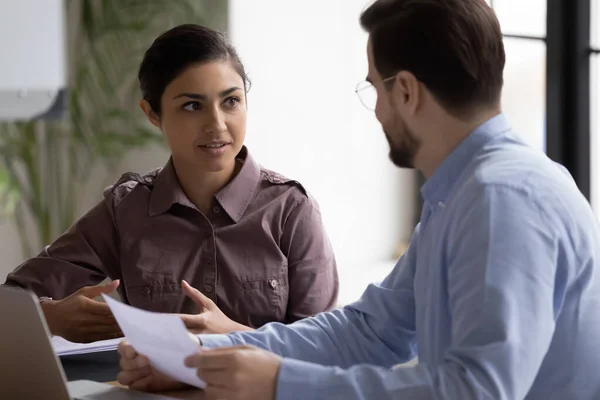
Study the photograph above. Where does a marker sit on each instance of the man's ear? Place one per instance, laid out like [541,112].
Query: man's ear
[150,114]
[407,90]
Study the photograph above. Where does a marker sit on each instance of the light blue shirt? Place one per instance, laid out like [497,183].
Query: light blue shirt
[498,294]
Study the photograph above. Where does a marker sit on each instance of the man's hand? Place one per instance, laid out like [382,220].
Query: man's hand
[237,373]
[137,373]
[211,319]
[81,319]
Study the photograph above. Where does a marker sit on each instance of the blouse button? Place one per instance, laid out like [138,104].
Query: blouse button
[273,283]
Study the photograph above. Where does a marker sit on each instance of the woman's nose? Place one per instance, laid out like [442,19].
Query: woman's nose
[216,122]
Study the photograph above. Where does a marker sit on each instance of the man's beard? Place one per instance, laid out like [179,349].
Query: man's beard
[403,145]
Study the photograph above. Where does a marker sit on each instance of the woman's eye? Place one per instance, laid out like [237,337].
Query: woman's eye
[191,106]
[232,102]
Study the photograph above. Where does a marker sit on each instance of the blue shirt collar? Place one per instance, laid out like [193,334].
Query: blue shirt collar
[438,187]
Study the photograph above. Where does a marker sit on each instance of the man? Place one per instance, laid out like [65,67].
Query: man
[498,293]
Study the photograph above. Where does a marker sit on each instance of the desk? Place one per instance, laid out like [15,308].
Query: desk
[97,367]
[104,367]
[195,394]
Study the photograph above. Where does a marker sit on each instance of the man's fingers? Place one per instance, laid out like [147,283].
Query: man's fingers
[130,359]
[218,393]
[215,359]
[214,362]
[201,300]
[136,363]
[129,376]
[218,378]
[126,350]
[144,384]
[95,291]
[192,361]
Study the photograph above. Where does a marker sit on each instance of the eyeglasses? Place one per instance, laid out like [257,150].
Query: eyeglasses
[367,93]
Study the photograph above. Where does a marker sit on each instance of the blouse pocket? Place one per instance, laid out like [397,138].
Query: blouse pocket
[164,297]
[265,299]
[150,277]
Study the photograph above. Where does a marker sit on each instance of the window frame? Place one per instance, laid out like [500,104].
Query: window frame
[568,92]
[421,178]
[568,88]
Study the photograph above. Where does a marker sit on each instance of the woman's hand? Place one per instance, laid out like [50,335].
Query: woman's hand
[211,319]
[81,319]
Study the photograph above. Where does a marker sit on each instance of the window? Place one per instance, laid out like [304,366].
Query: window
[524,93]
[560,108]
[521,18]
[595,131]
[552,82]
[595,106]
[595,21]
[523,24]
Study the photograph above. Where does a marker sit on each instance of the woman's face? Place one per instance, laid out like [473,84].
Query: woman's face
[203,116]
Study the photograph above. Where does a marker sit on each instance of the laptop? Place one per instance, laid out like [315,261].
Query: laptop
[30,368]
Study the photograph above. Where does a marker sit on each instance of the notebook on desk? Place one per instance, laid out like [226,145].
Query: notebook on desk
[30,368]
[63,347]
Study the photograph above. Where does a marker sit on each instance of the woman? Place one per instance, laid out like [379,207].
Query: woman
[249,240]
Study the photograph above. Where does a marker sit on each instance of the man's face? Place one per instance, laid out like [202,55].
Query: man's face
[403,144]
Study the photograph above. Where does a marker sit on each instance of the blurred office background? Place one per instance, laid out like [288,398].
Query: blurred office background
[304,59]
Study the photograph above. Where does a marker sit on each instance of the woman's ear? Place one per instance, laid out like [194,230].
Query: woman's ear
[150,114]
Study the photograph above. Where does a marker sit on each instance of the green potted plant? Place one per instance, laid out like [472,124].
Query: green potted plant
[45,165]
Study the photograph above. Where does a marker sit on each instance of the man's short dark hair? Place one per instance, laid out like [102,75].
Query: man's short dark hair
[454,47]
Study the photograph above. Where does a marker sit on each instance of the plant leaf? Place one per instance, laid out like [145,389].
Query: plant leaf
[9,194]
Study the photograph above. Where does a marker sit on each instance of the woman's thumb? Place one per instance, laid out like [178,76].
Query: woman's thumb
[197,296]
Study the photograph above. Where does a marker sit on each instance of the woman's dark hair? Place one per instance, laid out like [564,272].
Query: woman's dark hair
[453,46]
[178,48]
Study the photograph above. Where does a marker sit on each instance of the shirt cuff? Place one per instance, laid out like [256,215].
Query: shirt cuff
[214,341]
[301,380]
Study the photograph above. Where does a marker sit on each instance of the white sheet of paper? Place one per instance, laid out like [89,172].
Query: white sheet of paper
[63,347]
[162,338]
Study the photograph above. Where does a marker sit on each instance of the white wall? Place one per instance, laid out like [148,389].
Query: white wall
[26,89]
[305,121]
[305,59]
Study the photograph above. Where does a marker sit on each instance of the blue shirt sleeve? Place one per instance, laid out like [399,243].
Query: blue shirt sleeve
[501,267]
[360,333]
